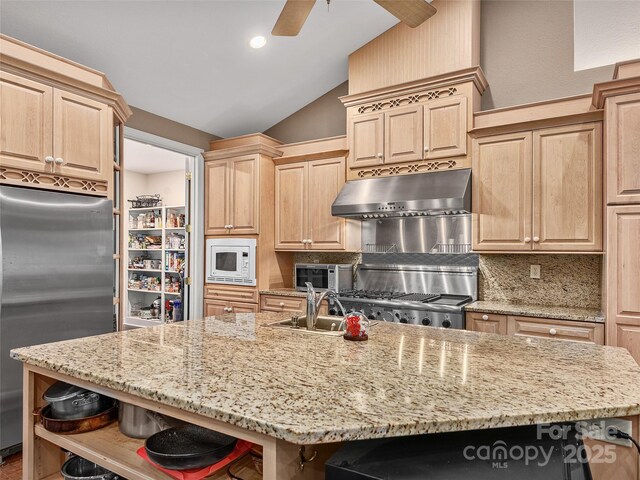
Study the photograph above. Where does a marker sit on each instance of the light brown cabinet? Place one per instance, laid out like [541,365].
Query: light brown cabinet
[219,307]
[486,323]
[60,133]
[304,194]
[623,274]
[539,190]
[435,129]
[286,303]
[231,293]
[232,196]
[623,148]
[536,327]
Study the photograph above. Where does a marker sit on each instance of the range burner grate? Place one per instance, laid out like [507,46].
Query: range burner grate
[418,297]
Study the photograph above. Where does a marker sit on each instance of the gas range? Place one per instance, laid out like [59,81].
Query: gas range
[379,297]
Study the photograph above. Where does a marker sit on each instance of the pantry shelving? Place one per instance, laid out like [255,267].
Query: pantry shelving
[156,256]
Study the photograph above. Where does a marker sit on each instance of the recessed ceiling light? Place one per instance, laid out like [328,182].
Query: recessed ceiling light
[258,42]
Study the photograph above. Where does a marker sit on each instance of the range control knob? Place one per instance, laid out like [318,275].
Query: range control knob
[371,316]
[397,315]
[426,321]
[403,320]
[446,323]
[333,311]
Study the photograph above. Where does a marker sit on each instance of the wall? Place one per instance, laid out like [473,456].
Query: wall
[170,186]
[324,117]
[566,280]
[527,53]
[163,127]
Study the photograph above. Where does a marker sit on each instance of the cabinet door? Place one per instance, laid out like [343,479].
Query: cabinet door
[556,329]
[502,182]
[623,278]
[326,178]
[82,136]
[366,140]
[244,189]
[243,307]
[445,127]
[623,148]
[25,123]
[487,323]
[214,307]
[567,191]
[403,134]
[216,187]
[282,303]
[291,206]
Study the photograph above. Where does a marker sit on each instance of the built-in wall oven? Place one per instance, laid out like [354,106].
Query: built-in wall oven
[231,261]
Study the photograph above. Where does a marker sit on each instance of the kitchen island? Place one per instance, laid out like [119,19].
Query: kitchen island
[283,389]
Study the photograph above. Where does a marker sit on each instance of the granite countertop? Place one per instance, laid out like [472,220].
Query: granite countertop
[593,315]
[285,292]
[306,388]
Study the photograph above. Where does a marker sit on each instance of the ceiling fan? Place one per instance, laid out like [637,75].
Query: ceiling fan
[295,13]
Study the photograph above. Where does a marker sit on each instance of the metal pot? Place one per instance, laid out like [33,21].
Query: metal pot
[80,425]
[69,402]
[138,422]
[78,468]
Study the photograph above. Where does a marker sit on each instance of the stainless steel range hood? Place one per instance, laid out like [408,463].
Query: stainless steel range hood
[436,193]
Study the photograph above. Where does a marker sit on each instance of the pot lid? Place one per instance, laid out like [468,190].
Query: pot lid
[62,391]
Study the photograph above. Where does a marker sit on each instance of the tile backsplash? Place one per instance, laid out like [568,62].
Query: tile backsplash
[565,280]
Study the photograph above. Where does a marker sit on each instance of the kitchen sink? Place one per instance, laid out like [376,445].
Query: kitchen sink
[325,325]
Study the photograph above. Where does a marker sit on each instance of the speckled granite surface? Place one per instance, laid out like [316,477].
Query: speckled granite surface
[540,311]
[306,388]
[285,292]
[565,280]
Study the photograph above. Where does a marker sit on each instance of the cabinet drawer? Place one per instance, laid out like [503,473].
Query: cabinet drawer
[277,303]
[558,329]
[221,307]
[231,293]
[486,322]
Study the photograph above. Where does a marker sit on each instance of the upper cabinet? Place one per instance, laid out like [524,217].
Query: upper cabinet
[232,196]
[414,127]
[57,122]
[623,149]
[308,178]
[539,190]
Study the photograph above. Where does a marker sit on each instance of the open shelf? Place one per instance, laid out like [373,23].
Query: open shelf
[142,322]
[173,228]
[177,294]
[116,452]
[144,270]
[144,229]
[143,291]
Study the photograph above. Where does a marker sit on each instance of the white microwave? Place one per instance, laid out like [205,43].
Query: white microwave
[231,260]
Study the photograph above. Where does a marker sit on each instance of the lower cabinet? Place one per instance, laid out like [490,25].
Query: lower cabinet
[536,327]
[284,303]
[220,307]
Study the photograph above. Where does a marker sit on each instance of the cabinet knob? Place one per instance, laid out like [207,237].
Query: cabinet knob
[527,239]
[380,156]
[230,226]
[59,161]
[231,309]
[282,304]
[536,239]
[552,331]
[426,149]
[48,159]
[485,317]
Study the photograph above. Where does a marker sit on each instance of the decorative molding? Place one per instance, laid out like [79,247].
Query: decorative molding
[407,100]
[51,181]
[613,88]
[473,74]
[254,149]
[384,171]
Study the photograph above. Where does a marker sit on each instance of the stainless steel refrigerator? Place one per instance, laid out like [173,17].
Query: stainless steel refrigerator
[56,281]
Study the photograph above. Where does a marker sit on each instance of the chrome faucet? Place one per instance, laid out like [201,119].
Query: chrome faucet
[313,304]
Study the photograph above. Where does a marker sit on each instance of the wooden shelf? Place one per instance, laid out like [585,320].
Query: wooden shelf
[174,228]
[175,250]
[144,229]
[143,291]
[177,294]
[144,269]
[145,250]
[116,452]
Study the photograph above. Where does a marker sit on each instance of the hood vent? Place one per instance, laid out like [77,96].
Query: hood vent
[437,193]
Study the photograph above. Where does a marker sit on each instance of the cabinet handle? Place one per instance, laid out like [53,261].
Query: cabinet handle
[485,317]
[48,159]
[527,239]
[552,331]
[282,304]
[59,161]
[536,239]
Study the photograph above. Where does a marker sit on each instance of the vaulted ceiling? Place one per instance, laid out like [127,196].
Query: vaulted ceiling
[190,61]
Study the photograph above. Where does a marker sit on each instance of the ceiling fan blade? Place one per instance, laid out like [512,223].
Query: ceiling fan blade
[292,17]
[409,12]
